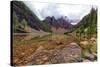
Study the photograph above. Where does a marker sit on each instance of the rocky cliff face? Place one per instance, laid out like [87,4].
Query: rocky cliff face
[58,23]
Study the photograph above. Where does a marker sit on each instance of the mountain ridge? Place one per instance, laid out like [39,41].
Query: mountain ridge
[24,20]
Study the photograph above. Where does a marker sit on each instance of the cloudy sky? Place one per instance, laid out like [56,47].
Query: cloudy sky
[43,10]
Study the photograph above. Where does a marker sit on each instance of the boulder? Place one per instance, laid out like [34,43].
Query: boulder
[56,57]
[72,53]
[89,56]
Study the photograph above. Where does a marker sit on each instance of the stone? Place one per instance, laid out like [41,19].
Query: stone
[56,57]
[86,60]
[69,53]
[84,42]
[40,48]
[89,56]
[72,53]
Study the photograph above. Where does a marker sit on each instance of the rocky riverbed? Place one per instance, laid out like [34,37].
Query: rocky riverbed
[53,49]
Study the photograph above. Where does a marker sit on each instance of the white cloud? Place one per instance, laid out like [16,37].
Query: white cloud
[43,10]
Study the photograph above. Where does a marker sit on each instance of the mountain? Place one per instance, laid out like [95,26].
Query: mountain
[58,23]
[24,20]
[88,24]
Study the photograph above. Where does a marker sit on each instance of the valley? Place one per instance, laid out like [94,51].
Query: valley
[52,40]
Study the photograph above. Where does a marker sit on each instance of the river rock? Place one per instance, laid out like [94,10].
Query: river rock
[72,53]
[56,57]
[89,56]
